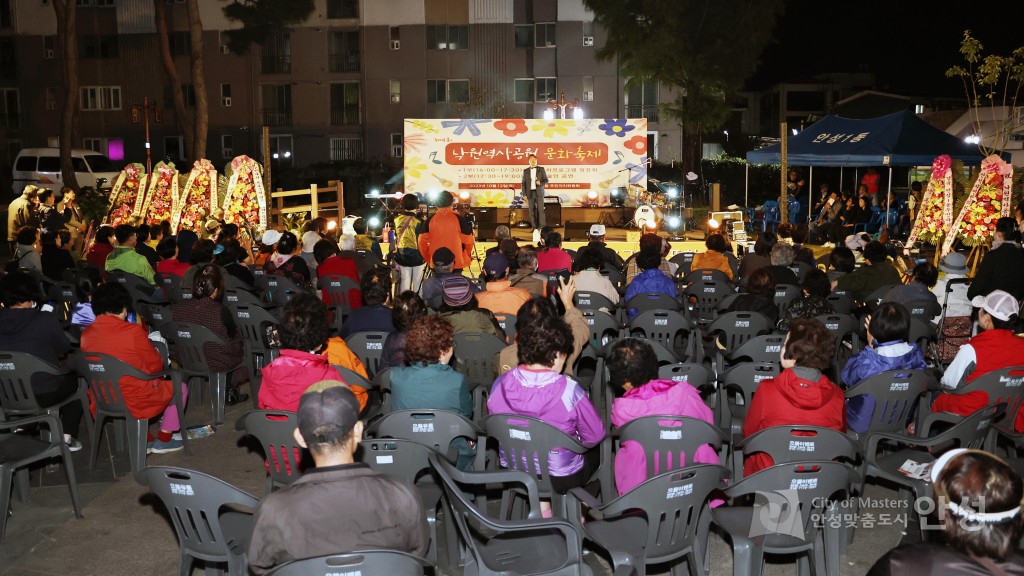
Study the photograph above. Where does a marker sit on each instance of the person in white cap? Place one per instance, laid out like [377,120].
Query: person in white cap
[996,347]
[978,498]
[596,236]
[268,244]
[309,240]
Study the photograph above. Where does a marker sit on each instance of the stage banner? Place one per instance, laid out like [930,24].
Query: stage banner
[584,159]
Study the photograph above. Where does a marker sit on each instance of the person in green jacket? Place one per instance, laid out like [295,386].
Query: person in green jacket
[876,272]
[125,258]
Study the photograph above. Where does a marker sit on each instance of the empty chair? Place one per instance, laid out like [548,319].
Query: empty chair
[785,294]
[369,347]
[170,284]
[683,261]
[437,429]
[234,298]
[667,327]
[195,503]
[275,431]
[255,324]
[603,327]
[157,316]
[476,358]
[704,296]
[841,302]
[391,562]
[281,289]
[651,301]
[190,341]
[508,324]
[738,386]
[727,333]
[138,287]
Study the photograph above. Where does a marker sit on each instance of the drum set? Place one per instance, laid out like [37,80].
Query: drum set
[652,202]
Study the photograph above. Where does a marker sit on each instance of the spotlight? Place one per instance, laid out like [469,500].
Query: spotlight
[464,196]
[331,225]
[672,192]
[432,195]
[592,195]
[652,223]
[713,224]
[577,113]
[674,222]
[549,114]
[373,222]
[618,197]
[374,192]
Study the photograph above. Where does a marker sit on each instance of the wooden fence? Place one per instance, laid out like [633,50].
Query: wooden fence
[313,205]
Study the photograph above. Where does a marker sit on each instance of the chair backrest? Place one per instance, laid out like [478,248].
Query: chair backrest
[65,297]
[684,260]
[673,503]
[763,348]
[971,431]
[614,275]
[706,296]
[923,310]
[369,347]
[801,443]
[895,393]
[526,444]
[274,429]
[841,302]
[705,275]
[190,342]
[664,327]
[1003,386]
[696,375]
[875,297]
[732,329]
[652,301]
[785,294]
[102,373]
[193,500]
[16,370]
[839,324]
[665,356]
[670,442]
[433,428]
[340,291]
[922,333]
[382,383]
[281,289]
[397,457]
[585,300]
[170,284]
[800,269]
[390,562]
[508,324]
[603,327]
[158,315]
[349,376]
[234,298]
[252,321]
[475,356]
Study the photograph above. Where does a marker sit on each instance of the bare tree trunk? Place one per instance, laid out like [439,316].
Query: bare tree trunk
[202,116]
[67,37]
[184,120]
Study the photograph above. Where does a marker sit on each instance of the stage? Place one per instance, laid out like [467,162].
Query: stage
[573,222]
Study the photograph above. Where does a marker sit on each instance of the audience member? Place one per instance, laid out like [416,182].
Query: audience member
[714,257]
[759,296]
[347,246]
[443,266]
[537,388]
[507,245]
[876,272]
[650,280]
[364,241]
[803,253]
[409,307]
[759,258]
[782,257]
[142,245]
[285,263]
[267,247]
[841,261]
[167,249]
[21,212]
[202,255]
[499,296]
[232,259]
[539,306]
[309,240]
[526,276]
[341,505]
[1001,267]
[461,309]
[553,258]
[633,376]
[126,259]
[888,329]
[655,244]
[918,290]
[405,249]
[303,332]
[829,213]
[26,255]
[56,258]
[813,303]
[608,256]
[589,278]
[111,334]
[447,229]
[374,315]
[801,394]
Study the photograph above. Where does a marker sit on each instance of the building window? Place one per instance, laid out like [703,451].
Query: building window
[395,36]
[458,91]
[99,98]
[276,101]
[50,97]
[10,109]
[396,145]
[188,95]
[95,144]
[588,33]
[281,148]
[342,9]
[181,43]
[440,91]
[345,103]
[225,95]
[437,91]
[227,146]
[90,46]
[343,51]
[444,37]
[8,59]
[545,36]
[6,14]
[174,147]
[277,54]
[49,46]
[396,91]
[346,149]
[524,36]
[588,88]
[545,89]
[524,90]
[642,100]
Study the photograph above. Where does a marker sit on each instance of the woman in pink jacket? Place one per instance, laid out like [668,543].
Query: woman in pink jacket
[633,373]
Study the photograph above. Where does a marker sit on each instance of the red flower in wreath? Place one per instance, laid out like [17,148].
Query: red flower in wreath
[511,127]
[638,144]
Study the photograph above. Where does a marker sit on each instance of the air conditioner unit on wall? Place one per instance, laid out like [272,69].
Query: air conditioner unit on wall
[228,153]
[224,49]
[396,151]
[396,44]
[226,102]
[48,53]
[588,95]
[588,40]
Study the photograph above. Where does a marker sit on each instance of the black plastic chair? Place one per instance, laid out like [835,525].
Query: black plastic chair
[738,386]
[786,444]
[683,261]
[727,333]
[194,501]
[763,348]
[274,430]
[391,562]
[102,374]
[785,294]
[138,287]
[369,347]
[585,300]
[704,298]
[696,275]
[896,394]
[1004,386]
[842,303]
[667,327]
[20,450]
[281,289]
[17,399]
[651,301]
[696,375]
[667,440]
[170,284]
[253,322]
[190,342]
[845,328]
[508,324]
[476,358]
[435,429]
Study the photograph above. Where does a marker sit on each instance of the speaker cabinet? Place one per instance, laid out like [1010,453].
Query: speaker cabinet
[486,222]
[552,212]
[577,231]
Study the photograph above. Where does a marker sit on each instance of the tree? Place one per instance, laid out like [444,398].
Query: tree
[193,125]
[991,82]
[261,19]
[67,39]
[704,50]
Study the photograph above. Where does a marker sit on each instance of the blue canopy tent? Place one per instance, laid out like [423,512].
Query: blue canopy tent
[898,139]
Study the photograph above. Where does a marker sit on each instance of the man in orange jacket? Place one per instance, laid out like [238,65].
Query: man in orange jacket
[447,229]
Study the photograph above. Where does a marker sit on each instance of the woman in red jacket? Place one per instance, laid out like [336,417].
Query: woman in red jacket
[802,394]
[111,334]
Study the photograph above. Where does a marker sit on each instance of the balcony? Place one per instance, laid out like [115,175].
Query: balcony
[643,111]
[10,122]
[276,117]
[343,62]
[276,64]
[345,116]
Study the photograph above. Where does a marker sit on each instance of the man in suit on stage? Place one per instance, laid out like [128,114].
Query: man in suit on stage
[535,178]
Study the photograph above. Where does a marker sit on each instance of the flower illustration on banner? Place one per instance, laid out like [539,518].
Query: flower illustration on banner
[511,127]
[414,142]
[638,172]
[548,128]
[414,167]
[638,144]
[518,201]
[616,127]
[491,198]
[463,125]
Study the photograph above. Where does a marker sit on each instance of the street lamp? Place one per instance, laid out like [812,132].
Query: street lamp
[140,113]
[561,105]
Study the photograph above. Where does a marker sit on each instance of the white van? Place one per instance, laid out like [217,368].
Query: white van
[41,167]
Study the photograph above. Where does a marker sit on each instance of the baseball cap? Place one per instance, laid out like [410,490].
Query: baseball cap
[309,239]
[597,230]
[998,303]
[953,263]
[443,257]
[270,237]
[328,411]
[495,263]
[456,290]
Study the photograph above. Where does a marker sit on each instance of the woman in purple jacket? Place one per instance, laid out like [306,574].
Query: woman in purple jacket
[888,329]
[538,389]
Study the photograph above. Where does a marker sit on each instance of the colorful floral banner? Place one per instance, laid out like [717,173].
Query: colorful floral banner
[989,200]
[484,159]
[200,195]
[125,197]
[162,197]
[246,201]
[935,210]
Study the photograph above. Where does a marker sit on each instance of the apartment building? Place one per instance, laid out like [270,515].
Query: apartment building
[338,86]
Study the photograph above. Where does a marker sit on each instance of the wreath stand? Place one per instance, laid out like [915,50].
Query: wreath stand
[977,253]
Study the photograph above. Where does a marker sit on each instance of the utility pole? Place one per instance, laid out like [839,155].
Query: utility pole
[141,114]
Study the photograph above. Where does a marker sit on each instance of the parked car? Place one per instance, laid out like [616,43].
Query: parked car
[41,167]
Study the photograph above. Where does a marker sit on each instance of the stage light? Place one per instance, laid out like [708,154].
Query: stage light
[973,139]
[463,196]
[672,192]
[331,225]
[373,222]
[592,195]
[713,224]
[674,222]
[618,197]
[652,223]
[577,113]
[432,195]
[549,114]
[374,192]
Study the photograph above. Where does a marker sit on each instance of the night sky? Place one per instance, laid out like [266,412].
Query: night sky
[908,44]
